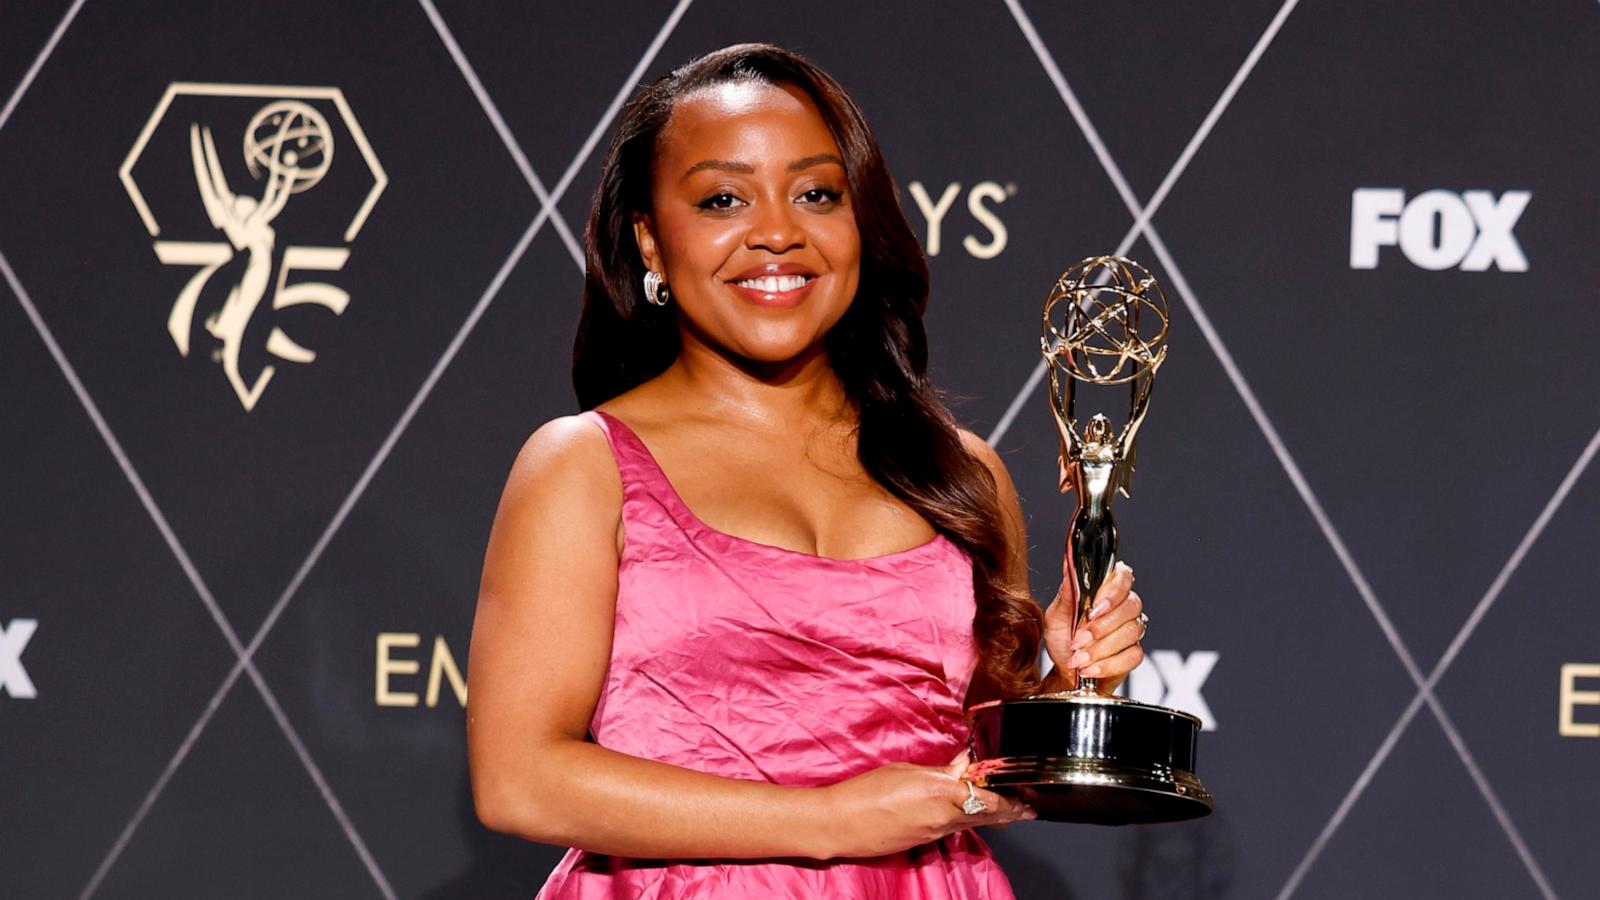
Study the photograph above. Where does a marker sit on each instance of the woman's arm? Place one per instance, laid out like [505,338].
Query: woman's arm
[540,646]
[1110,643]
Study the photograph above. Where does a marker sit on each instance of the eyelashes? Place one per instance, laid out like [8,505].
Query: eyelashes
[718,202]
[724,201]
[826,196]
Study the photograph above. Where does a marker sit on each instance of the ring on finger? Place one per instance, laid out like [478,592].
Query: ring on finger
[972,805]
[1144,625]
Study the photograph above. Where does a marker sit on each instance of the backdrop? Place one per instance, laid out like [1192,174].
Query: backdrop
[256,420]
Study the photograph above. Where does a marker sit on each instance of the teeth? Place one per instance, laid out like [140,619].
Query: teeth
[774,284]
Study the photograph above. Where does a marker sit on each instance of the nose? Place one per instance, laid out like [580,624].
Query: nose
[775,228]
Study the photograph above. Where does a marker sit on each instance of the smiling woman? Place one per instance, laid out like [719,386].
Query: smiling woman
[748,679]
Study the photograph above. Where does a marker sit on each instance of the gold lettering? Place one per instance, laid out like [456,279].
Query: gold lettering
[1571,697]
[444,662]
[387,666]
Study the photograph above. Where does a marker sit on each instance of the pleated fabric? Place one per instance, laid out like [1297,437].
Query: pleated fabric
[751,661]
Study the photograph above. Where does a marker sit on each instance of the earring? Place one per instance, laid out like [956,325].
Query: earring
[654,290]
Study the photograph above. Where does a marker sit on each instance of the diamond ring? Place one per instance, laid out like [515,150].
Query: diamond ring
[972,805]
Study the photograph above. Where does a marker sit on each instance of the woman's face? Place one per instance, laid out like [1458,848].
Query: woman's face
[752,225]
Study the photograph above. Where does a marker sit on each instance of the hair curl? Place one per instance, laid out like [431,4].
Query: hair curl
[907,439]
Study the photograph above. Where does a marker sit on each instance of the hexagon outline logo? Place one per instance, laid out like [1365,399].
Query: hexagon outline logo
[289,143]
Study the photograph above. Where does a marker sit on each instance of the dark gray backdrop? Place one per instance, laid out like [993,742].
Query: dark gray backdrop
[1362,520]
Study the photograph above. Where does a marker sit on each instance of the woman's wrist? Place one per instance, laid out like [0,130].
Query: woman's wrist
[819,820]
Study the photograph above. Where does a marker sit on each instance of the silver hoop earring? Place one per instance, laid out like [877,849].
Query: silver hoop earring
[655,291]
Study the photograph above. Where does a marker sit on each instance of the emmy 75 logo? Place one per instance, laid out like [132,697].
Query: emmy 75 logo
[287,147]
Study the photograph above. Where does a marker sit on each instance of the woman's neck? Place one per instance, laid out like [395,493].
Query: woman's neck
[776,396]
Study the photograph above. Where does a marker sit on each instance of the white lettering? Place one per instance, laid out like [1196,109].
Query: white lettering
[1496,244]
[1373,212]
[1184,678]
[1438,229]
[444,663]
[1435,230]
[388,666]
[986,190]
[1571,697]
[14,678]
[934,213]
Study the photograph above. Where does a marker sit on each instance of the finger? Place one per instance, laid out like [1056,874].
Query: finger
[1125,636]
[996,806]
[1120,638]
[1114,618]
[1107,635]
[1113,590]
[958,765]
[1125,610]
[1017,812]
[1118,664]
[1062,609]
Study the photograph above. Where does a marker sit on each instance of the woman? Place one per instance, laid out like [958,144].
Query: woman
[772,648]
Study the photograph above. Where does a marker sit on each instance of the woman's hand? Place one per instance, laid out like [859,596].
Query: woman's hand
[901,805]
[1107,648]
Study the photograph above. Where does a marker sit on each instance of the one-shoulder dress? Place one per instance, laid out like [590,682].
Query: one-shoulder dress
[751,661]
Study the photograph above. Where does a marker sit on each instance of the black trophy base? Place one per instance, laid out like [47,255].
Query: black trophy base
[1090,759]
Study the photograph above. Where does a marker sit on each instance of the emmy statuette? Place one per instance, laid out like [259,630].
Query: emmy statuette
[1076,756]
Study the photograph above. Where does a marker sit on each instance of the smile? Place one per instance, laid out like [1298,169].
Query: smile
[774,284]
[774,291]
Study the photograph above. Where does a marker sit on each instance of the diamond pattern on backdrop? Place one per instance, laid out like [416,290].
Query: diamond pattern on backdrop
[1071,104]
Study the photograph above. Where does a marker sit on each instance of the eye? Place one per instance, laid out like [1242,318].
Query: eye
[723,200]
[820,196]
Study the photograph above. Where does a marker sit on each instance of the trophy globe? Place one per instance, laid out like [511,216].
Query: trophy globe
[291,141]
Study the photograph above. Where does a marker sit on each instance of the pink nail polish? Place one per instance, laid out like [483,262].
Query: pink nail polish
[1082,639]
[1097,609]
[1078,659]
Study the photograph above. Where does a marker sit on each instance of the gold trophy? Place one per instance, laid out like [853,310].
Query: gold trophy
[1076,756]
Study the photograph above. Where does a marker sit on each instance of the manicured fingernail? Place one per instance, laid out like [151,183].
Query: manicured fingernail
[1081,639]
[1097,609]
[1092,671]
[1029,814]
[1078,659]
[1126,569]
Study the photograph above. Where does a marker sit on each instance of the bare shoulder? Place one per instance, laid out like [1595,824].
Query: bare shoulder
[566,468]
[986,454]
[1010,507]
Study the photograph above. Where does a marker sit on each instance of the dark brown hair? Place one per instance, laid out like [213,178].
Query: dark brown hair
[907,439]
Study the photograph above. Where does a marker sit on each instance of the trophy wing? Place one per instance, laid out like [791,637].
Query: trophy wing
[214,193]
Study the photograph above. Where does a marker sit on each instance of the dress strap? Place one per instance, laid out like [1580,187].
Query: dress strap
[650,507]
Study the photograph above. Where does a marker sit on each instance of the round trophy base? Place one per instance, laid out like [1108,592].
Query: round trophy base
[1090,759]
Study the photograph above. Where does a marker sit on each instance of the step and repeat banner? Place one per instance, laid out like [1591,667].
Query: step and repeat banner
[287,284]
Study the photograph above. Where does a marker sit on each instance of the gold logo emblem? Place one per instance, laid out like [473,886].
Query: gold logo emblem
[288,149]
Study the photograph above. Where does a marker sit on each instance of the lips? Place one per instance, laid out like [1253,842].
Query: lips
[774,284]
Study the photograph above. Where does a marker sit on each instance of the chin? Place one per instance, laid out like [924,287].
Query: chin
[773,349]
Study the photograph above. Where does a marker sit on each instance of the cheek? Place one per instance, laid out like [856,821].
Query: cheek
[696,245]
[841,246]
[677,244]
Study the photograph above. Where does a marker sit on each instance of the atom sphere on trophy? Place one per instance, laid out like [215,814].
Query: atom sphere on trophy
[1113,330]
[291,141]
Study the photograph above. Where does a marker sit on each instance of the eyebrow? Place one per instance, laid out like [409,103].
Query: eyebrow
[724,165]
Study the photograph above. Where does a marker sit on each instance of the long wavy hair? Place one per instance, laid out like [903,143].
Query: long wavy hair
[906,437]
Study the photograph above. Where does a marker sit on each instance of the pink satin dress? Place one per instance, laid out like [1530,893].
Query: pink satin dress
[755,662]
